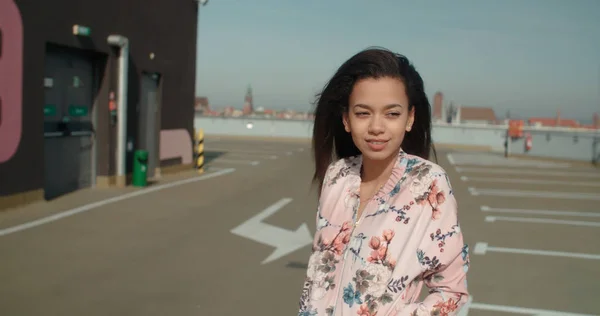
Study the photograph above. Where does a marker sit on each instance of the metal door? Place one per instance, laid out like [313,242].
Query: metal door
[149,116]
[68,132]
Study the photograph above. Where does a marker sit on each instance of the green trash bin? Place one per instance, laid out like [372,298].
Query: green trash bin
[140,168]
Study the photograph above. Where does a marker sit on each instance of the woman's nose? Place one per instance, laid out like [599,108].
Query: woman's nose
[376,125]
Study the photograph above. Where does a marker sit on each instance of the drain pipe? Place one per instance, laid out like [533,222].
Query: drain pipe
[123,44]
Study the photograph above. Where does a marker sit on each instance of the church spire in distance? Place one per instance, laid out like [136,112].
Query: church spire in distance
[248,104]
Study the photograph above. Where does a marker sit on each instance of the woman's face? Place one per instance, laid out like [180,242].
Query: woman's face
[378,117]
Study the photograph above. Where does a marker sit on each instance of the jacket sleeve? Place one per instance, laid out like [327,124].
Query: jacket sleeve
[442,253]
[322,196]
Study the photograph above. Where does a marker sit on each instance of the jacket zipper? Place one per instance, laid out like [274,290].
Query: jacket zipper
[354,225]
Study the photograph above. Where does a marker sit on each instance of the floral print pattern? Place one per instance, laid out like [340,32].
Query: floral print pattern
[407,236]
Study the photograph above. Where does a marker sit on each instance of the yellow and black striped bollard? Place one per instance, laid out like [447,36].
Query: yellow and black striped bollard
[200,150]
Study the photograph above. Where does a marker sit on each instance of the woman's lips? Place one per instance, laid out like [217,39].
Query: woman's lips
[377,144]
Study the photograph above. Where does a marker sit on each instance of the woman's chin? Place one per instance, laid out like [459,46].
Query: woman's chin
[377,155]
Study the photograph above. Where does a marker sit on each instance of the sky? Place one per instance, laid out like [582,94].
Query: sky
[532,57]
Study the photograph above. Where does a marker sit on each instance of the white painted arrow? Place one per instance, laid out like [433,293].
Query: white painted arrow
[284,241]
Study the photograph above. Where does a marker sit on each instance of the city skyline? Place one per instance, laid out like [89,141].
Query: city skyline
[539,53]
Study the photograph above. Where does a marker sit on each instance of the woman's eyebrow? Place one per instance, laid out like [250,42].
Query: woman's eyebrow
[389,106]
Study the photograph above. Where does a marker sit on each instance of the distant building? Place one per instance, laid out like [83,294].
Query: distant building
[248,105]
[476,115]
[201,104]
[228,111]
[553,121]
[437,113]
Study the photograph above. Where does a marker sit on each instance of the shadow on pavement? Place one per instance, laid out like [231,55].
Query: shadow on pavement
[297,265]
[212,155]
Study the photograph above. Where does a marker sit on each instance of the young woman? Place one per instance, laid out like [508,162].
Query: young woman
[387,217]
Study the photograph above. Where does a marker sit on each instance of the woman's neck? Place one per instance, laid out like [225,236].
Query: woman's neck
[377,171]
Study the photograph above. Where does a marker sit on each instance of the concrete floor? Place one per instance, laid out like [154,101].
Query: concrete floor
[170,250]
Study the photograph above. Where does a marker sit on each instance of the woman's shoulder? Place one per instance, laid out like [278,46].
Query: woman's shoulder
[340,170]
[423,173]
[414,162]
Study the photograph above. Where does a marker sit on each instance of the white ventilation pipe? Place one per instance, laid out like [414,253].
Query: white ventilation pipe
[123,44]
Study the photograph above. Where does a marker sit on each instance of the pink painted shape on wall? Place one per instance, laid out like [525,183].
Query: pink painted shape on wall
[176,143]
[11,79]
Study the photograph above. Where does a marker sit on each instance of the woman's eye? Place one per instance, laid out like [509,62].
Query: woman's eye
[391,114]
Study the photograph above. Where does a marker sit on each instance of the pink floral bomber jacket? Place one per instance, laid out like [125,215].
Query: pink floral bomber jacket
[408,235]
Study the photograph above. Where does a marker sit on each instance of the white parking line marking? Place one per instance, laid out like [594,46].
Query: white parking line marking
[538,212]
[592,174]
[211,168]
[488,159]
[239,162]
[492,219]
[517,310]
[450,159]
[245,155]
[223,146]
[241,151]
[87,207]
[481,248]
[508,165]
[530,181]
[537,194]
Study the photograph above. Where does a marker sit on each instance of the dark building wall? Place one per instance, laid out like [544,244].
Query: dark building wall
[165,28]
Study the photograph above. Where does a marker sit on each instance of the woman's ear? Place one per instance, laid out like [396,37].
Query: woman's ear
[346,122]
[411,119]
